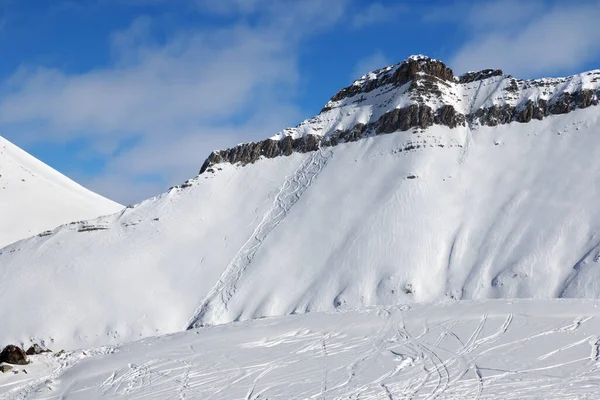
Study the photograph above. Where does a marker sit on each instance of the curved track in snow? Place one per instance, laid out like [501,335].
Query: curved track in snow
[215,303]
[465,350]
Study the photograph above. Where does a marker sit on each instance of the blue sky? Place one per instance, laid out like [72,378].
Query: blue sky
[128,97]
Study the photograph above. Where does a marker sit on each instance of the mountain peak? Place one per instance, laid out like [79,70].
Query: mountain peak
[418,93]
[414,67]
[34,197]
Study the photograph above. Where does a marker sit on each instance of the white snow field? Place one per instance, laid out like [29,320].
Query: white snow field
[34,197]
[340,228]
[497,349]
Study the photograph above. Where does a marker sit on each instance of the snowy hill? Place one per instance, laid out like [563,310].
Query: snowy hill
[486,188]
[492,350]
[35,198]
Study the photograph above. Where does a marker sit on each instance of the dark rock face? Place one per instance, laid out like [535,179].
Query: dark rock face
[532,110]
[413,116]
[429,80]
[538,109]
[405,72]
[13,355]
[493,116]
[357,132]
[448,116]
[479,75]
[248,153]
[36,349]
[418,116]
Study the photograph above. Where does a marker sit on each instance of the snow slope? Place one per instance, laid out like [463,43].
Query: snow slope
[465,212]
[463,350]
[35,198]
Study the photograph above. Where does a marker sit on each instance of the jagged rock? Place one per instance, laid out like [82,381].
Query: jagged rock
[352,135]
[404,73]
[494,115]
[432,68]
[13,355]
[36,349]
[405,118]
[513,87]
[248,153]
[447,115]
[562,105]
[5,368]
[532,110]
[479,75]
[432,85]
[585,98]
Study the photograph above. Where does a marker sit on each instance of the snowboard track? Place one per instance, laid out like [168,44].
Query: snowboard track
[214,306]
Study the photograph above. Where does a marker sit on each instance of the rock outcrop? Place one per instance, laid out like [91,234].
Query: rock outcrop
[36,349]
[416,94]
[13,355]
[5,368]
[250,152]
[479,75]
[403,73]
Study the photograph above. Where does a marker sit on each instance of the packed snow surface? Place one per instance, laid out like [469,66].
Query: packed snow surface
[35,198]
[495,349]
[491,212]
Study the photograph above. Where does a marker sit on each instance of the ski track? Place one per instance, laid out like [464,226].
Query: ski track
[388,355]
[215,303]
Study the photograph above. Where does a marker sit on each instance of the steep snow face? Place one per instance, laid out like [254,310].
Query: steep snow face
[35,197]
[416,216]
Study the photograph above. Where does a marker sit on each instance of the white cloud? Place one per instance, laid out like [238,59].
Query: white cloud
[484,14]
[179,99]
[503,13]
[376,13]
[370,63]
[552,39]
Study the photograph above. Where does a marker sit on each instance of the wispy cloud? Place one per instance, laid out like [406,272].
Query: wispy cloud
[376,13]
[177,99]
[528,39]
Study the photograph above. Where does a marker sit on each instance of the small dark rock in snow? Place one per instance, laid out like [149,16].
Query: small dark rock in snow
[5,368]
[36,349]
[13,355]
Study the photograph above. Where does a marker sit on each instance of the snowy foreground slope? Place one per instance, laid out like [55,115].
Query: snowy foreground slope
[496,349]
[487,190]
[35,198]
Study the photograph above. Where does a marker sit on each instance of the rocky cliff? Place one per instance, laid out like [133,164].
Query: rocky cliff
[418,93]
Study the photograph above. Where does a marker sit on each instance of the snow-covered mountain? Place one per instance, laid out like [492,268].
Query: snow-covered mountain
[35,197]
[412,185]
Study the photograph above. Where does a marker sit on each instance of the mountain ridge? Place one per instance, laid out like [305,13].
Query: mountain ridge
[34,197]
[427,79]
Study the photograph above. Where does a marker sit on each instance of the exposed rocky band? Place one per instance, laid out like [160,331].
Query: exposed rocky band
[425,77]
